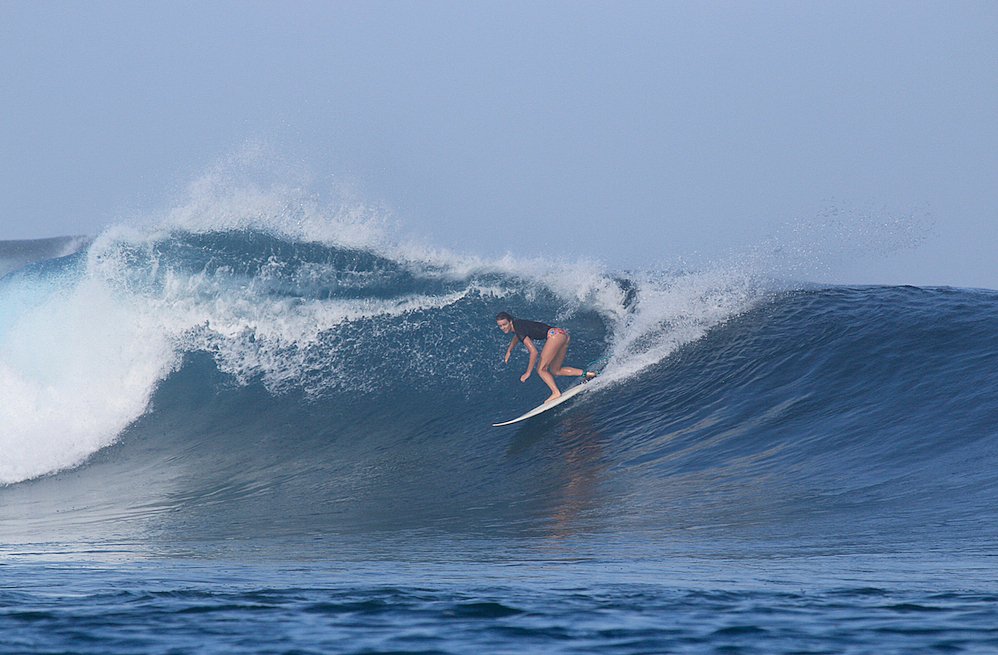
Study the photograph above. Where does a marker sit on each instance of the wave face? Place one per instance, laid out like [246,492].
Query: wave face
[216,383]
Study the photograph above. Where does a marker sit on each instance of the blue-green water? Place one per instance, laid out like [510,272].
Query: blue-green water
[118,603]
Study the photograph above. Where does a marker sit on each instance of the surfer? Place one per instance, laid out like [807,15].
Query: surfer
[552,355]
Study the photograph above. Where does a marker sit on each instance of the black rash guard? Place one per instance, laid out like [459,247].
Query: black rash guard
[536,331]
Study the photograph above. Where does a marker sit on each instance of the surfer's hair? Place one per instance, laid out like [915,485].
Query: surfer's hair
[503,316]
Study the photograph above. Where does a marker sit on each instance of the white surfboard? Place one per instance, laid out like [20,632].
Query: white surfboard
[540,409]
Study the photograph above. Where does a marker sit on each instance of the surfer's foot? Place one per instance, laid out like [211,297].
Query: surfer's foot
[590,375]
[553,396]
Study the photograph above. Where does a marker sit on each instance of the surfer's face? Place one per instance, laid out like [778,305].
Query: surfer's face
[505,325]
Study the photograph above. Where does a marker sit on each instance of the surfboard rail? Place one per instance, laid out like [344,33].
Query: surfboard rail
[543,407]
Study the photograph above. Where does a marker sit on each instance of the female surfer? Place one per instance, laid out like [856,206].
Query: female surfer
[552,355]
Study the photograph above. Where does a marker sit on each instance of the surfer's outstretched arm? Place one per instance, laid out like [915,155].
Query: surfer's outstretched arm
[512,344]
[529,343]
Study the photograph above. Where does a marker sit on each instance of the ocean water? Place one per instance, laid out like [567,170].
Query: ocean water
[242,437]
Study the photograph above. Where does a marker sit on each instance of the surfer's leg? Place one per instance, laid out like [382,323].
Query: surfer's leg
[559,359]
[555,344]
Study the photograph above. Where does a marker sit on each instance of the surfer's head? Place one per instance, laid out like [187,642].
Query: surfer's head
[505,322]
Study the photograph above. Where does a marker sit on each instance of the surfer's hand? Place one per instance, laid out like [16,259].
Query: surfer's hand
[506,359]
[523,378]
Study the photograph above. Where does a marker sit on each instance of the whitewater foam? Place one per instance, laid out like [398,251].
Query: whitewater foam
[75,370]
[672,310]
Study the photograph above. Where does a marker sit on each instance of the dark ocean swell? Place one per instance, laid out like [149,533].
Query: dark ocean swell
[238,384]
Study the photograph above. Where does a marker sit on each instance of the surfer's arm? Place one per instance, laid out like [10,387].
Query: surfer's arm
[512,344]
[529,344]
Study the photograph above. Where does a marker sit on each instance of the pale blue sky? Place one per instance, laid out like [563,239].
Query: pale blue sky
[637,133]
